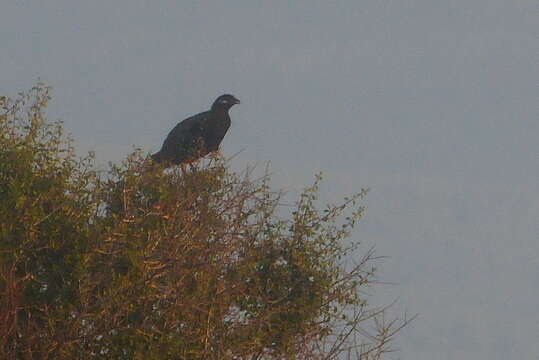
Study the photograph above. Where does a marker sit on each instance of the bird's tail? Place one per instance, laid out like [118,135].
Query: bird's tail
[157,157]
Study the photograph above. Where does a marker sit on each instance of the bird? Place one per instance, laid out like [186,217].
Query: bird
[198,135]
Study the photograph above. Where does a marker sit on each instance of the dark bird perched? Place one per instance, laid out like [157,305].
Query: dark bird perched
[197,135]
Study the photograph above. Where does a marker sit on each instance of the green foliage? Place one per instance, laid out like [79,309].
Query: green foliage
[146,263]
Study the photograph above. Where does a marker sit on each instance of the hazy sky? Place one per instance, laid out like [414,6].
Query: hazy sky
[432,104]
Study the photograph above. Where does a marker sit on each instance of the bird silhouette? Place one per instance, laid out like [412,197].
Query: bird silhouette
[198,135]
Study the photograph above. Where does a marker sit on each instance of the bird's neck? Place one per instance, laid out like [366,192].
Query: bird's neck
[220,110]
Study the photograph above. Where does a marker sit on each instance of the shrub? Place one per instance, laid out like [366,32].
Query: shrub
[139,262]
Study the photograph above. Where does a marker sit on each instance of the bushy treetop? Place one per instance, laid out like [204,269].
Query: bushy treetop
[138,262]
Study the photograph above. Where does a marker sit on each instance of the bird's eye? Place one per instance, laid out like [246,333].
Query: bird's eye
[223,101]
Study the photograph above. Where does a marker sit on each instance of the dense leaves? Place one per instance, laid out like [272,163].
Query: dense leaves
[139,262]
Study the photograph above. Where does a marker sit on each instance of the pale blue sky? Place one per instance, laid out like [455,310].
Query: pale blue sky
[432,104]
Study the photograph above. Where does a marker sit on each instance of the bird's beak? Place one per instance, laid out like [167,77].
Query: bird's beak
[236,101]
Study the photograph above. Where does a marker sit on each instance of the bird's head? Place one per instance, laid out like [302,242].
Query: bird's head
[224,102]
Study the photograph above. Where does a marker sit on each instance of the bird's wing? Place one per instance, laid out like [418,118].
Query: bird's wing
[186,132]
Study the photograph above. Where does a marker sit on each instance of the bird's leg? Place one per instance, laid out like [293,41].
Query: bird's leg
[192,167]
[213,156]
[184,169]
